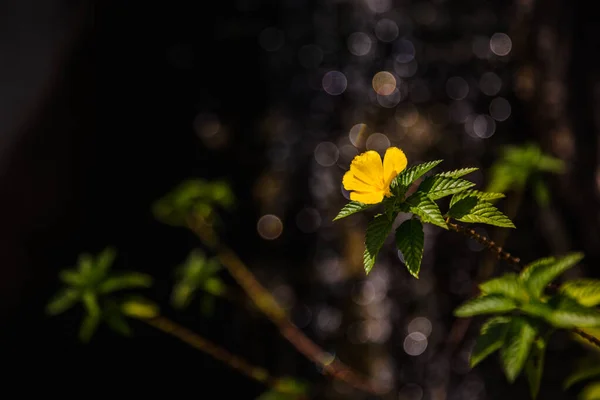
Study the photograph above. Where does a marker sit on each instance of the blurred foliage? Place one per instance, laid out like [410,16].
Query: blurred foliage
[520,165]
[92,284]
[521,336]
[197,198]
[466,205]
[586,369]
[197,273]
[286,388]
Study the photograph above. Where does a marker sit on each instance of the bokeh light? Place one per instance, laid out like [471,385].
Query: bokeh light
[308,220]
[357,135]
[269,227]
[386,30]
[326,154]
[457,88]
[490,83]
[500,44]
[334,83]
[378,142]
[359,43]
[415,344]
[500,109]
[384,83]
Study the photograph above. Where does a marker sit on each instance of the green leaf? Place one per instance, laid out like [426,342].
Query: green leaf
[517,344]
[457,173]
[140,308]
[488,304]
[85,263]
[352,208]
[411,174]
[462,207]
[105,260]
[568,313]
[590,392]
[540,273]
[116,321]
[486,213]
[62,301]
[90,301]
[409,240]
[429,212]
[377,231]
[71,277]
[491,338]
[126,280]
[485,196]
[508,285]
[547,163]
[585,291]
[541,193]
[88,327]
[534,367]
[437,187]
[587,368]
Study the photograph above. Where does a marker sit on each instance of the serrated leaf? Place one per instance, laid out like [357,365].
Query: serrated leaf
[534,368]
[490,339]
[411,174]
[508,285]
[462,207]
[585,291]
[517,345]
[377,231]
[89,324]
[590,392]
[539,274]
[485,196]
[488,304]
[128,280]
[429,212]
[351,208]
[587,368]
[486,213]
[410,240]
[62,301]
[437,187]
[457,173]
[568,313]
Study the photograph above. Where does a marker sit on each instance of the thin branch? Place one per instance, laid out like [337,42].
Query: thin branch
[193,339]
[500,253]
[269,306]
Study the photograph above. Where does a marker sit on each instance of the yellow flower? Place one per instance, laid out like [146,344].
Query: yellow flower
[369,179]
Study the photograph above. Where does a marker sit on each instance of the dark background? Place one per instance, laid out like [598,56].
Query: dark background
[99,106]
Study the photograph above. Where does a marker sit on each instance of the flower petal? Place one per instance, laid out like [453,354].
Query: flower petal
[367,197]
[394,162]
[368,168]
[351,182]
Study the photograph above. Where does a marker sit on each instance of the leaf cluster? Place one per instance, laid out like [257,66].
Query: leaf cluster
[526,314]
[467,205]
[90,283]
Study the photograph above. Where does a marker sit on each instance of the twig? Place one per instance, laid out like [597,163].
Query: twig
[193,339]
[592,339]
[269,306]
[490,244]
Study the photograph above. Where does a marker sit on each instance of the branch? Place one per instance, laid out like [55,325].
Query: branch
[269,306]
[193,339]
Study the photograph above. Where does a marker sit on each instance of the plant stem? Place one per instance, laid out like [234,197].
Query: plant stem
[266,303]
[193,339]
